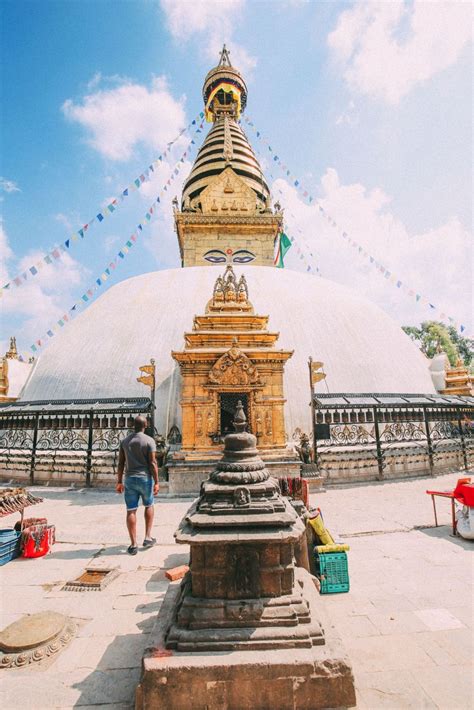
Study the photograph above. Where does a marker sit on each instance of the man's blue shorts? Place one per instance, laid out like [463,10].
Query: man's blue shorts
[137,487]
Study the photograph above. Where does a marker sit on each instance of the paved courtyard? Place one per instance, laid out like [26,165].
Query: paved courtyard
[407,622]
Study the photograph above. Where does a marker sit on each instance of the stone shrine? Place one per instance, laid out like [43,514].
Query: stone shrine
[243,595]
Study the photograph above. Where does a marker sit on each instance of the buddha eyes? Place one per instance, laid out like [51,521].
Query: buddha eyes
[241,256]
[215,256]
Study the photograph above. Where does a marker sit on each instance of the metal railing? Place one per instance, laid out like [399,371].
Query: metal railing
[384,425]
[30,431]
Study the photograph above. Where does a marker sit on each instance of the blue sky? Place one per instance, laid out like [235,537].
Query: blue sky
[369,104]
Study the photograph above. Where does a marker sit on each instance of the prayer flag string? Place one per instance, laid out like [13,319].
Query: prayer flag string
[55,253]
[90,293]
[360,250]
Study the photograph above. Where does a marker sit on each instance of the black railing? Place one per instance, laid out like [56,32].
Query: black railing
[379,424]
[83,427]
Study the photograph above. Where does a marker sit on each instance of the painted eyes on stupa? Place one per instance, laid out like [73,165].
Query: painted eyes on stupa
[215,256]
[241,256]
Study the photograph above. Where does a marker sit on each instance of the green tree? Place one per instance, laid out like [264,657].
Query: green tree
[433,336]
[465,346]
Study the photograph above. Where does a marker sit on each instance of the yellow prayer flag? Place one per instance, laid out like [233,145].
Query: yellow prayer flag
[149,369]
[316,375]
[147,380]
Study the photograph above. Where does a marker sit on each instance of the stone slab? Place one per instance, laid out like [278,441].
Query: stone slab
[311,678]
[31,631]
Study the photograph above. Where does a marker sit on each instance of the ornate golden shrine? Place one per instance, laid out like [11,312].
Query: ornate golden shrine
[459,381]
[229,356]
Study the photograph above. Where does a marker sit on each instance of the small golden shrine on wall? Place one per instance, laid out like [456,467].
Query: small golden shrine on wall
[230,356]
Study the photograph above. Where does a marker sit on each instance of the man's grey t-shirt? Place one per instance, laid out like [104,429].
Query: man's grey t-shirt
[137,447]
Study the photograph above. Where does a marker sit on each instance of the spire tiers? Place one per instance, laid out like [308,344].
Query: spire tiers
[226,145]
[226,214]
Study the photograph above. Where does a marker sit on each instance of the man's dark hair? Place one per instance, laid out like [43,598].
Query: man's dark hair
[139,423]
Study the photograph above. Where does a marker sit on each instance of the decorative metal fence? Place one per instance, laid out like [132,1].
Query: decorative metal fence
[381,424]
[83,428]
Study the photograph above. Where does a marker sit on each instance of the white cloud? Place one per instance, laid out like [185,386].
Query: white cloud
[419,260]
[213,21]
[118,119]
[185,19]
[64,220]
[111,242]
[6,254]
[348,117]
[31,309]
[388,48]
[8,185]
[160,238]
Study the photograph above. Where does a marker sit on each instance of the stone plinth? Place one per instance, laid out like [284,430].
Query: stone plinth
[278,679]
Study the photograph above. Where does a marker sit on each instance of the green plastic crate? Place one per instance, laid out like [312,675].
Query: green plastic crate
[333,572]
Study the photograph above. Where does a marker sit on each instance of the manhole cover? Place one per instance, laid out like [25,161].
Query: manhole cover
[92,579]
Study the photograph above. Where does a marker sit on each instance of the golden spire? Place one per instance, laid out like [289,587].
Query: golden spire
[12,353]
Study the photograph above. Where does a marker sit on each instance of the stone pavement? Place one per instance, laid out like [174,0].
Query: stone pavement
[406,623]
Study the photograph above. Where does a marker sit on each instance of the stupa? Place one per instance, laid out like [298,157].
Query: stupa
[243,596]
[226,218]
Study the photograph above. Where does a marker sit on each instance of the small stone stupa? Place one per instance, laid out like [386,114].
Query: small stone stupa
[245,613]
[242,592]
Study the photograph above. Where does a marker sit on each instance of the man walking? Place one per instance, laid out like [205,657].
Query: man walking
[138,458]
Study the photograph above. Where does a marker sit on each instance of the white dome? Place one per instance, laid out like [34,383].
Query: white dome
[145,317]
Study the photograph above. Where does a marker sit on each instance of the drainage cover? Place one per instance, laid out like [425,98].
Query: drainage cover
[92,579]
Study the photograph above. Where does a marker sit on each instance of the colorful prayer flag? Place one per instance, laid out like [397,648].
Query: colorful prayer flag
[284,244]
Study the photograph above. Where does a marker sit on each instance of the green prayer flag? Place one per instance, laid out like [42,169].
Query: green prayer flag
[284,244]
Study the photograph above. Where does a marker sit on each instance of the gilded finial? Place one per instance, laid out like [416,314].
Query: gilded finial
[224,58]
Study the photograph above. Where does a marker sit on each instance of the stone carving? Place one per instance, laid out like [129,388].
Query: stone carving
[210,422]
[34,638]
[242,289]
[305,450]
[199,424]
[268,423]
[218,295]
[230,285]
[234,368]
[241,497]
[174,435]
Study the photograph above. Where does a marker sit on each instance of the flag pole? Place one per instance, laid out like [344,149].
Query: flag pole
[313,428]
[152,418]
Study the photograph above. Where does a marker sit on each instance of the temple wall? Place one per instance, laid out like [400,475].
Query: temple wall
[67,468]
